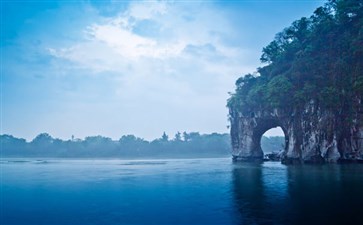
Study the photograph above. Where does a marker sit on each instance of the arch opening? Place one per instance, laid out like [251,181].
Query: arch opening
[273,142]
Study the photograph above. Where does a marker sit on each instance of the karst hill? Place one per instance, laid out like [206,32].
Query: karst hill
[311,86]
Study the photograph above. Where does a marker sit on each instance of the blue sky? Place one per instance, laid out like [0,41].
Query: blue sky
[130,67]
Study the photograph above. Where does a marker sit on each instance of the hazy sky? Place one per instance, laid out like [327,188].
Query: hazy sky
[130,67]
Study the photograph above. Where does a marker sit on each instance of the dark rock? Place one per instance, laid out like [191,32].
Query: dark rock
[312,134]
[274,156]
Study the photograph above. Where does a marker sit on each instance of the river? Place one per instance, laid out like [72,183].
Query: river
[178,191]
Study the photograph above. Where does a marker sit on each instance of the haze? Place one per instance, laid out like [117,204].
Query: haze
[141,67]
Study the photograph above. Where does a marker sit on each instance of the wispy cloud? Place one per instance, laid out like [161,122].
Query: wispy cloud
[169,56]
[139,67]
[152,30]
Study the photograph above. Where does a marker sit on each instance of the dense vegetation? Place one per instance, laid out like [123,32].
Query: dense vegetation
[317,59]
[272,144]
[182,145]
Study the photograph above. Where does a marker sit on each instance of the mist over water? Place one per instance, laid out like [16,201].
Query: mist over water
[180,191]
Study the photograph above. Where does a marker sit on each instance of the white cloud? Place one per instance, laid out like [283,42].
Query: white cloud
[181,65]
[146,10]
[178,28]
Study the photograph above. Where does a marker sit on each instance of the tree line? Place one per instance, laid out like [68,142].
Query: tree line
[184,144]
[317,59]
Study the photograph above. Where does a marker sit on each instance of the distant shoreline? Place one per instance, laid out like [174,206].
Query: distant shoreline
[183,145]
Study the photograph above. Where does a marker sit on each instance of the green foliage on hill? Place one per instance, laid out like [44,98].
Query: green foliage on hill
[272,144]
[186,145]
[128,146]
[318,58]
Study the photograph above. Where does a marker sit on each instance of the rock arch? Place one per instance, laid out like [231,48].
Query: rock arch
[312,135]
[247,132]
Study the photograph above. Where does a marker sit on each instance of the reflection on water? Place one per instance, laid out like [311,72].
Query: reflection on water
[192,191]
[309,194]
[260,193]
[327,194]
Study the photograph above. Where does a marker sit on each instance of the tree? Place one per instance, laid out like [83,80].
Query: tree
[177,136]
[164,137]
[319,58]
[192,136]
[42,139]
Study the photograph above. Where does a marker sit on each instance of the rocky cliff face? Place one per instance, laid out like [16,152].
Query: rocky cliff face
[311,86]
[312,135]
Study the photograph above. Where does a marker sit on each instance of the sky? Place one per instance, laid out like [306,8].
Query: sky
[114,68]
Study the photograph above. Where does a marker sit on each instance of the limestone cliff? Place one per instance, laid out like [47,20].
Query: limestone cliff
[312,135]
[311,86]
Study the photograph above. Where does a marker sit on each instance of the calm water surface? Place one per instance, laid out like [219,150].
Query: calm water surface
[183,191]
